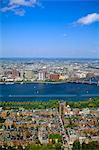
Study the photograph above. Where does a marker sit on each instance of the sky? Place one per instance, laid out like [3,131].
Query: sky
[49,28]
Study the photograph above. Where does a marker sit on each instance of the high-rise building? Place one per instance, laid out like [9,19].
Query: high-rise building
[54,77]
[22,74]
[42,75]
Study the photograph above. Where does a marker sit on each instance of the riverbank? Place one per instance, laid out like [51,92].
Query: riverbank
[52,82]
[39,82]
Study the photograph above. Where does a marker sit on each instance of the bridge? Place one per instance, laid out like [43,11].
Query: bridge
[85,82]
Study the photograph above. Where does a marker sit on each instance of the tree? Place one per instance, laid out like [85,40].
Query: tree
[84,146]
[58,146]
[94,145]
[2,120]
[20,147]
[76,145]
[55,137]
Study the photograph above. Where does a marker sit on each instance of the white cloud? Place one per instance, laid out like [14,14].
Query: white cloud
[5,9]
[20,12]
[89,19]
[23,2]
[17,6]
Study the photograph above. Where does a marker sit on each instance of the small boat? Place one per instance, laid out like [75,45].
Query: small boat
[37,92]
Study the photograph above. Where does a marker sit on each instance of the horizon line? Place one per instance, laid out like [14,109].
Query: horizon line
[15,57]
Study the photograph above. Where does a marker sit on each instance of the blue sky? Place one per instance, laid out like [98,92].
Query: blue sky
[48,28]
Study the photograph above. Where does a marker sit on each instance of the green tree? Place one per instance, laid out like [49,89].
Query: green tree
[76,145]
[20,147]
[58,146]
[55,137]
[84,146]
[94,145]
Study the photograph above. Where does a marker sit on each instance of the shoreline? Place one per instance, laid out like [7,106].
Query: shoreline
[51,82]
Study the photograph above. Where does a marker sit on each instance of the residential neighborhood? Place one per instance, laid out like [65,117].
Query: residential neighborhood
[62,125]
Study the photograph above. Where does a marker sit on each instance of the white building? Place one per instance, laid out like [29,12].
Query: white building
[42,76]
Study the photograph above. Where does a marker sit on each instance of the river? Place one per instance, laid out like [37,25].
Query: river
[47,91]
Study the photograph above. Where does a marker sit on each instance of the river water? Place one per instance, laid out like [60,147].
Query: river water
[48,91]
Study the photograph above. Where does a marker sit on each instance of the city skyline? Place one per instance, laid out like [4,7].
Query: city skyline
[49,29]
